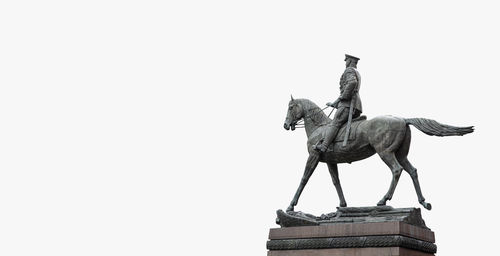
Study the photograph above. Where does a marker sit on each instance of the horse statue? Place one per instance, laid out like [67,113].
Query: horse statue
[388,136]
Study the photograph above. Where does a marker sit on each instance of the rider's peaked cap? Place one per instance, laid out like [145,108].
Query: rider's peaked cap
[347,56]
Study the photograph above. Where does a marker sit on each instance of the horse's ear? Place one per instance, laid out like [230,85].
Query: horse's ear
[291,97]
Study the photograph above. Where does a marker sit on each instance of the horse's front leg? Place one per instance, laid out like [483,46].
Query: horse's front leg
[312,162]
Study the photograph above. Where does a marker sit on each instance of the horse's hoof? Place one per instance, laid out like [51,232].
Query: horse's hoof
[289,209]
[343,205]
[381,203]
[427,206]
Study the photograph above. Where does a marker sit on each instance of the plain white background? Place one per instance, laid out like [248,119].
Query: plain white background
[156,128]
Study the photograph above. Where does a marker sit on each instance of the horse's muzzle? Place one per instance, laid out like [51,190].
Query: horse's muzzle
[288,126]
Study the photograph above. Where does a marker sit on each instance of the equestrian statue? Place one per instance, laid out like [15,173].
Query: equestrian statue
[350,137]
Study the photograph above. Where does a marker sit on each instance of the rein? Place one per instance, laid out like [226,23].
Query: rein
[300,124]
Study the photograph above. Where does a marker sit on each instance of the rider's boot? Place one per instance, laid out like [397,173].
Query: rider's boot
[329,136]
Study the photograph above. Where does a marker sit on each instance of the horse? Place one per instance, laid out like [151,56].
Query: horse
[388,136]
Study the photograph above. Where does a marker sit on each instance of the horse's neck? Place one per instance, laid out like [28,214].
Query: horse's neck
[314,119]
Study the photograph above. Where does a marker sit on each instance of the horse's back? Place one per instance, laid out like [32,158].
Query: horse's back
[370,136]
[384,123]
[385,133]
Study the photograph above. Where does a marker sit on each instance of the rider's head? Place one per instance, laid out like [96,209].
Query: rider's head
[351,61]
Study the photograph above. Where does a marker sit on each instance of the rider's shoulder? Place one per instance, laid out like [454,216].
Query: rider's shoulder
[350,73]
[350,70]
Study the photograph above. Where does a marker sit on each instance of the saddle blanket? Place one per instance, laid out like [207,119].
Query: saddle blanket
[352,133]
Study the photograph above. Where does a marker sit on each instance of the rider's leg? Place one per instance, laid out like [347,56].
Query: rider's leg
[341,116]
[329,136]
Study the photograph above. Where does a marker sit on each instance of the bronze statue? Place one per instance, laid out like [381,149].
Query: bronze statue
[388,136]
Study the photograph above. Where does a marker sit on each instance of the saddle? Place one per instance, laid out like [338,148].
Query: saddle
[352,134]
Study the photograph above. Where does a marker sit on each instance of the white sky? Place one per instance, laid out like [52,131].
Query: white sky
[156,127]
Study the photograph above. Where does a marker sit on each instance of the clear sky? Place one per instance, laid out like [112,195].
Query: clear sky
[156,127]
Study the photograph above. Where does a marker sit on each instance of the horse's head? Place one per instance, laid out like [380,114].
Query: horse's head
[294,114]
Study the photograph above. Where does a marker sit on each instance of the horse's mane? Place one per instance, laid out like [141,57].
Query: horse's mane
[308,104]
[317,115]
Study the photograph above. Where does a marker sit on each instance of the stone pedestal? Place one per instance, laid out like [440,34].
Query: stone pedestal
[353,232]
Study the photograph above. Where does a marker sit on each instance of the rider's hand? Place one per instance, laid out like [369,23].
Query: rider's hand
[334,104]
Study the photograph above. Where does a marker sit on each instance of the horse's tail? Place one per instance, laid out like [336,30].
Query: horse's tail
[431,127]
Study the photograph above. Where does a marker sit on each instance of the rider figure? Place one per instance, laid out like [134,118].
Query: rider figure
[349,88]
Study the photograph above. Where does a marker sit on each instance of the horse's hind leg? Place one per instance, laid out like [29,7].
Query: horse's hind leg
[390,160]
[414,176]
[334,172]
[401,155]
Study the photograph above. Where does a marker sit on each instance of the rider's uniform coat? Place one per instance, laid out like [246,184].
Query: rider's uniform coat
[350,82]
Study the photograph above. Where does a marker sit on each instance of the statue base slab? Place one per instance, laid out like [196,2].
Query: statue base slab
[376,251]
[356,231]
